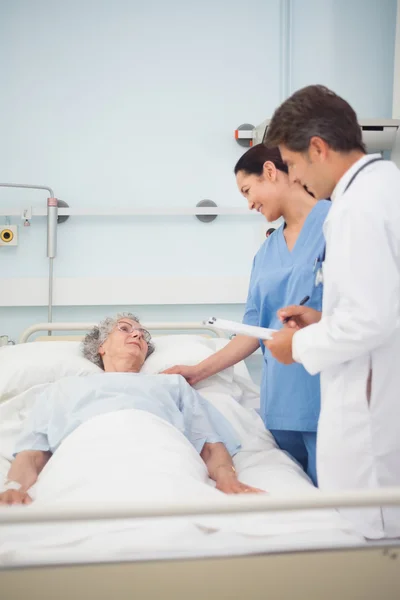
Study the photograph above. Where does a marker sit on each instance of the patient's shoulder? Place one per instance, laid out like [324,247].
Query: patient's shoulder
[75,381]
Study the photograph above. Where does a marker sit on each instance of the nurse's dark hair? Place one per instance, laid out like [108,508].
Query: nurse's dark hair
[315,111]
[252,161]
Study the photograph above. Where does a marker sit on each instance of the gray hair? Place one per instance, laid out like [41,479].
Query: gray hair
[98,335]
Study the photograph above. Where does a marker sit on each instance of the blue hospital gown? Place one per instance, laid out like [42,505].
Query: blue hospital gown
[290,397]
[62,406]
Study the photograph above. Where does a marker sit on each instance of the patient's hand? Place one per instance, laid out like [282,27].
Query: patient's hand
[14,497]
[229,484]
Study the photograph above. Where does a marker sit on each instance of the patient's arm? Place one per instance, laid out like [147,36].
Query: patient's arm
[221,470]
[27,466]
[25,470]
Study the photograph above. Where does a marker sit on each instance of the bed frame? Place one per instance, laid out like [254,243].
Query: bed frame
[365,572]
[155,327]
[331,575]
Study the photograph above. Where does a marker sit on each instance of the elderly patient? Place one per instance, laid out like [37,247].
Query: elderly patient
[120,346]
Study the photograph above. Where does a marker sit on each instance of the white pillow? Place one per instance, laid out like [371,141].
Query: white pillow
[188,350]
[171,350]
[240,368]
[25,365]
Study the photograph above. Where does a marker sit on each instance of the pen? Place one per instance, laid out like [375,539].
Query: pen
[305,299]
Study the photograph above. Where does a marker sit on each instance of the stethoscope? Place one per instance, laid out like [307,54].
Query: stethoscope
[318,268]
[319,261]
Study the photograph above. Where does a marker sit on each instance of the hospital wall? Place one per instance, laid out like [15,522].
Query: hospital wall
[124,103]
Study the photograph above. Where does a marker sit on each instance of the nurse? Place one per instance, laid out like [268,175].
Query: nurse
[282,274]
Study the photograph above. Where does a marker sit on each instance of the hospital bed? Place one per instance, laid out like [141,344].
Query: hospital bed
[307,550]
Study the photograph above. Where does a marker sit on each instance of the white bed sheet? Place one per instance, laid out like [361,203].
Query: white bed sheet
[168,538]
[259,463]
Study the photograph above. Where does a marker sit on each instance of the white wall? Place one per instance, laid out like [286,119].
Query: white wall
[131,104]
[124,102]
[347,45]
[396,82]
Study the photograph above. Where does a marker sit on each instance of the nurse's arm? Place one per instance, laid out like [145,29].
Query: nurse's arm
[220,468]
[27,466]
[238,349]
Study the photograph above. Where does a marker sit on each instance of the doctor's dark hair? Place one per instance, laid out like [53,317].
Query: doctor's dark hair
[315,111]
[252,161]
[98,335]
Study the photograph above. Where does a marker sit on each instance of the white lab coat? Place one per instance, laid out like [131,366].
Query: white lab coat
[357,339]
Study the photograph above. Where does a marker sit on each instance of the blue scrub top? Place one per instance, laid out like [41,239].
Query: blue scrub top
[290,397]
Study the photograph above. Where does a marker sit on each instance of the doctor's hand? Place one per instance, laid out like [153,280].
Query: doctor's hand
[191,374]
[280,345]
[299,316]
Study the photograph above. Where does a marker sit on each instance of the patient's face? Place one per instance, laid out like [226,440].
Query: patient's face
[127,342]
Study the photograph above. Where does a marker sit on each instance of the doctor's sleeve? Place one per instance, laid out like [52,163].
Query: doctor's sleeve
[34,433]
[203,422]
[362,267]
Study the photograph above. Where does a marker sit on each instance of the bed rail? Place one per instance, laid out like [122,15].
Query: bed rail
[156,326]
[227,505]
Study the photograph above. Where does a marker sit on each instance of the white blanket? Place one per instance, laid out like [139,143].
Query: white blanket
[136,457]
[130,456]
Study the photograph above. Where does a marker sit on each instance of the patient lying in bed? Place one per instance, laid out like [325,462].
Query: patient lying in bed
[120,346]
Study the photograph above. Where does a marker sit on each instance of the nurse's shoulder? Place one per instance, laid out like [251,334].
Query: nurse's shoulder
[269,245]
[268,249]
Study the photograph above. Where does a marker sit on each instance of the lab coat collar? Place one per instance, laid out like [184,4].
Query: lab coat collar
[344,180]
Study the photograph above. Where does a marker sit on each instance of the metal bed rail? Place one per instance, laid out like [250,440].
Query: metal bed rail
[229,505]
[151,326]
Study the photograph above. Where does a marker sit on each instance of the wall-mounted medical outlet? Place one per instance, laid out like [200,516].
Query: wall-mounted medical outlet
[8,235]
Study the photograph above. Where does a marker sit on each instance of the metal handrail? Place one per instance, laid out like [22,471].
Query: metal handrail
[151,326]
[223,505]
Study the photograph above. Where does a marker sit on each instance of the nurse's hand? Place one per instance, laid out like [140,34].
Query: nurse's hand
[191,374]
[299,316]
[280,345]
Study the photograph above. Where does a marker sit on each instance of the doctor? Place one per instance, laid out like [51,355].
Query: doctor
[355,344]
[282,273]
